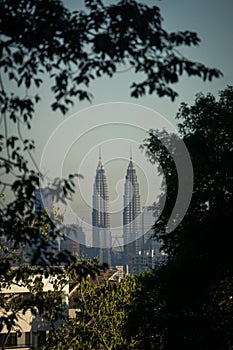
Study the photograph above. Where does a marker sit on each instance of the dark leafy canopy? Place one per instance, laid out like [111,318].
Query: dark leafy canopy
[76,47]
[101,319]
[196,285]
[206,128]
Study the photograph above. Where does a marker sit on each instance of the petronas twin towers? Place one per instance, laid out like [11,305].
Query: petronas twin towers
[101,215]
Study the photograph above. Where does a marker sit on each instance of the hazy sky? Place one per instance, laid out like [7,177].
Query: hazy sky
[212,20]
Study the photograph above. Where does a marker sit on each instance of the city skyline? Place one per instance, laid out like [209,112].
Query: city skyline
[115,158]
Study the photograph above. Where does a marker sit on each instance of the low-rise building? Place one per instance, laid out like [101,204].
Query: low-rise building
[30,330]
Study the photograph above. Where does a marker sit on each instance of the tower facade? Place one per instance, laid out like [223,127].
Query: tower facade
[101,216]
[131,215]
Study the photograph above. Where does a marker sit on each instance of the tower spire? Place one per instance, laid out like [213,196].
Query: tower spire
[131,156]
[100,164]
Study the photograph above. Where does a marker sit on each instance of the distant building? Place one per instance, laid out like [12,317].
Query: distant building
[75,232]
[118,274]
[144,254]
[151,245]
[148,222]
[142,263]
[44,204]
[101,216]
[43,201]
[150,256]
[131,216]
[70,246]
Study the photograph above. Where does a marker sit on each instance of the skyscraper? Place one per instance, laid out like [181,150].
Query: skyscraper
[45,202]
[101,215]
[131,215]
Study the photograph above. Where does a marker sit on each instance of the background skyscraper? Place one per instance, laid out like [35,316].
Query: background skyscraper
[101,216]
[131,215]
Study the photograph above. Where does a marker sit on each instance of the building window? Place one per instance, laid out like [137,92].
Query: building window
[11,340]
[41,338]
[28,338]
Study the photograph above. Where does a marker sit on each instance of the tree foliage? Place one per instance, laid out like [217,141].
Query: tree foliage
[74,48]
[196,284]
[102,314]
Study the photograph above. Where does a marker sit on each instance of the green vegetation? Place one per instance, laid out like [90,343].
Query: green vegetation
[196,284]
[101,321]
